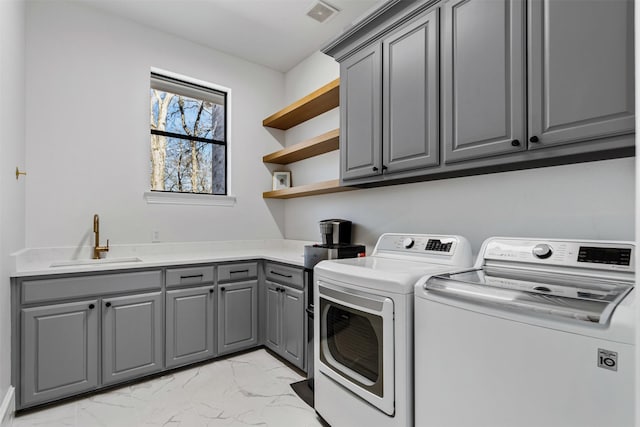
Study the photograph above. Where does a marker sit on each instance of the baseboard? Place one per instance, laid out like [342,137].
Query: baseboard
[8,408]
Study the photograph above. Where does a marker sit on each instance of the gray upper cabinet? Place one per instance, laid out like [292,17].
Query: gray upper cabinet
[483,78]
[360,114]
[131,336]
[516,84]
[190,325]
[237,316]
[59,351]
[410,96]
[581,73]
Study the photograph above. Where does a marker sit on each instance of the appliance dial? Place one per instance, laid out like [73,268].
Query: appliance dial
[408,243]
[542,251]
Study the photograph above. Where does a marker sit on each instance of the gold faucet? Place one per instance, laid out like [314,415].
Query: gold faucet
[96,230]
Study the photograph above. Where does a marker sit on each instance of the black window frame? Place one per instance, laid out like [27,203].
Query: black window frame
[192,89]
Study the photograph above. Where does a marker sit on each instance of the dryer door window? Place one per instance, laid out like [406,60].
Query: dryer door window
[354,339]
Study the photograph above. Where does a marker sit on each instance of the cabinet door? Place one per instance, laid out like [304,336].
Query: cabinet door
[59,351]
[483,85]
[131,336]
[237,316]
[273,314]
[360,114]
[410,96]
[581,71]
[190,325]
[293,315]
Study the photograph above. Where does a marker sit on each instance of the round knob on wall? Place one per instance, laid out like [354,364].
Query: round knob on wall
[542,251]
[408,243]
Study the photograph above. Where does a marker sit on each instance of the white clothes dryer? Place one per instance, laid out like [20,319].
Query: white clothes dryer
[539,333]
[364,324]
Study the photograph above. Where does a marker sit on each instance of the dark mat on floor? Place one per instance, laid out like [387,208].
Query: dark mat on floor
[303,391]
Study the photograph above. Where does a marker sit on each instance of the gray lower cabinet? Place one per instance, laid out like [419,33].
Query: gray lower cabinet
[132,336]
[285,322]
[581,72]
[190,325]
[103,337]
[483,78]
[59,351]
[237,316]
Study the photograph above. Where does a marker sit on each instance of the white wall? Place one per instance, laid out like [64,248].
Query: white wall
[589,200]
[12,224]
[88,132]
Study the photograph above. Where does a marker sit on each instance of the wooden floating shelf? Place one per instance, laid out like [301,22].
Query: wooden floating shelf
[325,187]
[317,102]
[312,147]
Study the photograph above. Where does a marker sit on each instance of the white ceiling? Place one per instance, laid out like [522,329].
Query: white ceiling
[274,33]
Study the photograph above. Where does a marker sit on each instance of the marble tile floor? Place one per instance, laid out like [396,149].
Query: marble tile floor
[250,389]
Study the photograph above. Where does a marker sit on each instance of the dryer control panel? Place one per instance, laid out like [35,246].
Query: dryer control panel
[428,247]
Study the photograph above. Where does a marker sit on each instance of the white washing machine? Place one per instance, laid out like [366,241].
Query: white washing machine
[539,333]
[364,321]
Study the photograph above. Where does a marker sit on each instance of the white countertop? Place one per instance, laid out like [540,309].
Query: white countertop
[38,261]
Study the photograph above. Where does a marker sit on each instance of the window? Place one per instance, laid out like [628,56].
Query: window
[188,124]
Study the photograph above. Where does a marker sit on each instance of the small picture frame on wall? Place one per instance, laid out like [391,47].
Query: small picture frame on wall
[281,179]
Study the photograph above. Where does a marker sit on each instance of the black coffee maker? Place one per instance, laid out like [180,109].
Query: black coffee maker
[335,232]
[336,243]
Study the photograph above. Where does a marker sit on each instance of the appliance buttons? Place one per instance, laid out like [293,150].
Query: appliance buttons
[408,243]
[542,251]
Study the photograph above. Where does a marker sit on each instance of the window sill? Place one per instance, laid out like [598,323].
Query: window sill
[156,197]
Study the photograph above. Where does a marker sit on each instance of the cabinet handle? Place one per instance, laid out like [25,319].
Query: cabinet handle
[384,168]
[91,306]
[221,289]
[375,169]
[515,142]
[108,304]
[534,139]
[211,290]
[238,271]
[194,276]
[288,276]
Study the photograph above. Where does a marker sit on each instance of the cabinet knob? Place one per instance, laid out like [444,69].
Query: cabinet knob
[534,139]
[375,169]
[222,289]
[91,306]
[384,168]
[108,304]
[515,142]
[211,290]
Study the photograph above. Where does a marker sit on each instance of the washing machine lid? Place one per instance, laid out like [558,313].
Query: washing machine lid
[559,295]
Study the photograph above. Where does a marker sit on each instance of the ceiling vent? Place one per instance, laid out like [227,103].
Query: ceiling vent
[321,11]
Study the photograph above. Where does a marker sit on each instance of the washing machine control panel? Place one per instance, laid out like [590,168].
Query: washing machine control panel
[570,253]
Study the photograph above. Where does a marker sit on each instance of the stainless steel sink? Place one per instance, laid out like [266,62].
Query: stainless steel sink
[78,262]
